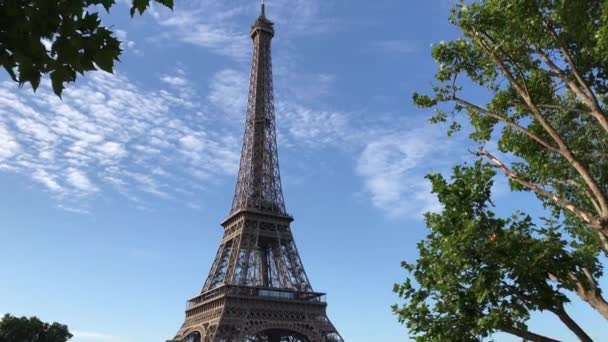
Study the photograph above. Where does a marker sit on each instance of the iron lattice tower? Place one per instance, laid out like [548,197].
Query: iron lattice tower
[257,289]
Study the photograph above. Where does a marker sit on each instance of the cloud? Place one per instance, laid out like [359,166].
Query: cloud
[80,180]
[222,27]
[228,92]
[112,150]
[46,179]
[207,27]
[176,81]
[297,123]
[314,128]
[109,134]
[393,167]
[125,43]
[303,87]
[8,145]
[301,17]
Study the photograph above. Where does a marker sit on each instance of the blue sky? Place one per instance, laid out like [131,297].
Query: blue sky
[112,198]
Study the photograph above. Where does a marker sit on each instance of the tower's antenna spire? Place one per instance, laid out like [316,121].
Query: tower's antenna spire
[263,9]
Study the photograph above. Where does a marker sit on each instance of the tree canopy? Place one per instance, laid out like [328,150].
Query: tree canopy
[545,66]
[61,38]
[542,65]
[478,273]
[23,329]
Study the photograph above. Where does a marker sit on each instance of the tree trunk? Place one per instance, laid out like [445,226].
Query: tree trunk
[527,335]
[571,324]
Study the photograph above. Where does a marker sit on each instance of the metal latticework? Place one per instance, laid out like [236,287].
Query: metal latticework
[257,289]
[259,182]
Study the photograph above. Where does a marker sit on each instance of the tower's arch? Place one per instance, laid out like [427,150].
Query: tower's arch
[279,335]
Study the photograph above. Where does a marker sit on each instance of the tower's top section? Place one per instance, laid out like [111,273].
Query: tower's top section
[262,23]
[258,185]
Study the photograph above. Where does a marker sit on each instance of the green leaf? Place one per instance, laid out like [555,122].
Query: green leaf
[104,60]
[140,6]
[167,3]
[60,76]
[80,41]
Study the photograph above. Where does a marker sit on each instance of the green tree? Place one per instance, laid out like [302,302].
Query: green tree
[478,273]
[14,329]
[78,40]
[544,65]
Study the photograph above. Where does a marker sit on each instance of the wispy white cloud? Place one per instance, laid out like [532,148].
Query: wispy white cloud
[304,87]
[207,26]
[298,123]
[177,81]
[8,145]
[302,17]
[125,43]
[47,180]
[108,133]
[393,167]
[79,180]
[228,92]
[393,157]
[312,127]
[221,26]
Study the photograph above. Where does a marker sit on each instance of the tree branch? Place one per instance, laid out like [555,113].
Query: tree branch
[570,61]
[527,335]
[586,217]
[591,103]
[563,147]
[571,324]
[567,109]
[504,119]
[579,187]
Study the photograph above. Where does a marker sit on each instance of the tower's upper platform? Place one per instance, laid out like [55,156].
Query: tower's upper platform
[262,23]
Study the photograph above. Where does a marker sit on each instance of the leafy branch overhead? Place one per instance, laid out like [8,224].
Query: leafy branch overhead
[545,66]
[60,38]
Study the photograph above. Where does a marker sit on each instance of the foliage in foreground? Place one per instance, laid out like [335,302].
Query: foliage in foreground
[23,329]
[544,66]
[478,273]
[72,30]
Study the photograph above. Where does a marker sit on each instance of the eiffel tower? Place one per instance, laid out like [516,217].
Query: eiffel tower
[257,289]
